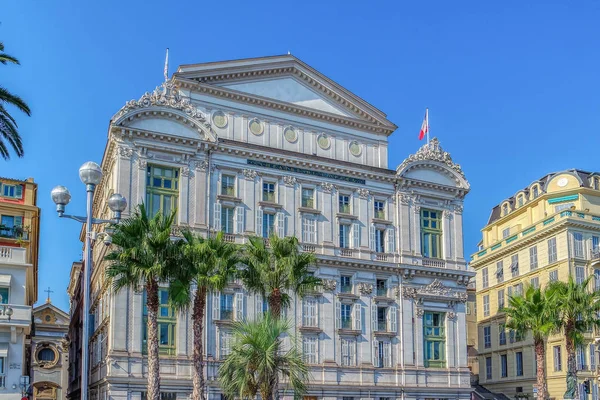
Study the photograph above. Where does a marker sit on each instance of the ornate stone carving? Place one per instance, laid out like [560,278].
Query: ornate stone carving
[417,209]
[142,163]
[365,288]
[126,152]
[447,214]
[404,198]
[185,171]
[409,293]
[165,95]
[434,289]
[250,173]
[451,315]
[201,165]
[420,312]
[458,209]
[363,193]
[327,187]
[290,180]
[397,291]
[434,152]
[329,284]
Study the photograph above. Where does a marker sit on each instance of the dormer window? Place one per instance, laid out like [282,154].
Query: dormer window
[504,209]
[535,192]
[596,184]
[520,200]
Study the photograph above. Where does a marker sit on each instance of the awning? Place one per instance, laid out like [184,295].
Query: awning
[4,350]
[5,280]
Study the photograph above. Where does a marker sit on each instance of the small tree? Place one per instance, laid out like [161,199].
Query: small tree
[258,358]
[531,312]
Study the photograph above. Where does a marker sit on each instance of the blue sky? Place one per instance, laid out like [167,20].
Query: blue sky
[512,86]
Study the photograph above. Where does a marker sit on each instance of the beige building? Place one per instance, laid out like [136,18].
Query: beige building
[256,146]
[546,231]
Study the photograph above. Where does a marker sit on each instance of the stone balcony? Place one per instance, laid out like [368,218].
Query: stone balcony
[13,255]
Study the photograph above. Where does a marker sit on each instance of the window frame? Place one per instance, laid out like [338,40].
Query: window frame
[533,258]
[519,363]
[267,194]
[552,251]
[170,320]
[557,356]
[379,213]
[486,305]
[503,366]
[344,203]
[431,238]
[310,201]
[161,191]
[434,335]
[487,337]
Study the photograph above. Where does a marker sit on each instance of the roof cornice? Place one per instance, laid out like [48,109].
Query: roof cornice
[249,99]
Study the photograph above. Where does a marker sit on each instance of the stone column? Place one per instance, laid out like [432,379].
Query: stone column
[200,187]
[327,191]
[184,195]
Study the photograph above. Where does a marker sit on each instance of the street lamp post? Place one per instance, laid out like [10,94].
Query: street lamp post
[91,175]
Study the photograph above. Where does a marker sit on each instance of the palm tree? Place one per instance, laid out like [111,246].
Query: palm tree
[577,308]
[207,264]
[257,358]
[144,254]
[275,270]
[8,125]
[531,312]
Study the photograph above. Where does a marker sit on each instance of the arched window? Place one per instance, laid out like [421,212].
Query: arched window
[504,209]
[535,192]
[520,200]
[47,355]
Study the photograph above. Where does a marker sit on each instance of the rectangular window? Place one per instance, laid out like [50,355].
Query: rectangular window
[309,312]
[505,233]
[379,209]
[309,229]
[518,289]
[501,334]
[309,349]
[504,365]
[484,278]
[167,323]
[552,251]
[12,191]
[535,192]
[486,305]
[162,189]
[381,287]
[228,185]
[226,307]
[580,358]
[268,225]
[533,261]
[500,271]
[382,319]
[380,240]
[434,339]
[225,341]
[488,367]
[519,363]
[431,233]
[4,295]
[382,354]
[593,357]
[595,246]
[268,192]
[11,226]
[348,352]
[514,265]
[578,244]
[487,337]
[520,201]
[227,219]
[535,282]
[346,284]
[345,236]
[579,275]
[308,198]
[346,316]
[553,275]
[500,299]
[597,279]
[344,204]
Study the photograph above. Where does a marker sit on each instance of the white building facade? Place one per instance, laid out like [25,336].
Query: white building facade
[255,146]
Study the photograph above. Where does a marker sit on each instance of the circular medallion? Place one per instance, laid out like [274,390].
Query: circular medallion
[290,134]
[562,182]
[255,127]
[355,148]
[220,119]
[323,141]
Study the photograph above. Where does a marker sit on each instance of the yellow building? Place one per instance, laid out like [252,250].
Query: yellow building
[547,231]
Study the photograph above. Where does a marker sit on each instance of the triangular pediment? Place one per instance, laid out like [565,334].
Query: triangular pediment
[289,90]
[285,80]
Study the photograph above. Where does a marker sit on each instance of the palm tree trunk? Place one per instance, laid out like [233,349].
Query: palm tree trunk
[540,355]
[152,328]
[274,300]
[198,356]
[572,387]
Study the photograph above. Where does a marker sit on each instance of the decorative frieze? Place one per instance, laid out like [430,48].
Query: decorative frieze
[329,284]
[363,193]
[201,165]
[365,288]
[434,152]
[126,152]
[290,180]
[435,289]
[250,173]
[327,187]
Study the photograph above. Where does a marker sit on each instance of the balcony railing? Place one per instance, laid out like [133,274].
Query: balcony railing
[381,257]
[382,292]
[434,262]
[346,323]
[15,232]
[269,196]
[226,315]
[309,248]
[12,255]
[595,254]
[381,326]
[229,237]
[344,208]
[346,252]
[308,203]
[379,214]
[227,191]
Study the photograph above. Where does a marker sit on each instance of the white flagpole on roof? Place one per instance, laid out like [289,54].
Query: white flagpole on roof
[166,71]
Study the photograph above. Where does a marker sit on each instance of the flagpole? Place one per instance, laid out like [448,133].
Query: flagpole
[166,71]
[427,121]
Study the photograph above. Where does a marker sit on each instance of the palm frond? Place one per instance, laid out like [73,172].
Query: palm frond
[9,98]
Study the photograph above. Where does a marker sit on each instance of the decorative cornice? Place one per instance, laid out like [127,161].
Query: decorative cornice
[165,95]
[434,152]
[435,289]
[291,108]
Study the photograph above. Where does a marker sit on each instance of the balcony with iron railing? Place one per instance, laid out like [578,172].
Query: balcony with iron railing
[14,232]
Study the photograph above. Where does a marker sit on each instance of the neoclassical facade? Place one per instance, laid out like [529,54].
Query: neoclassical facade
[270,145]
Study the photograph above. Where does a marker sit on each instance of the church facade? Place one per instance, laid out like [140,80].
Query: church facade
[270,145]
